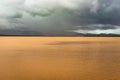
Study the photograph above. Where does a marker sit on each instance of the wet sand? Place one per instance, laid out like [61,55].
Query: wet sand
[59,58]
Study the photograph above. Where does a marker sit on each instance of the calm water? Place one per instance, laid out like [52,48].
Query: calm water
[59,58]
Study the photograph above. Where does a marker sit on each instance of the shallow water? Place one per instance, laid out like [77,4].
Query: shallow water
[59,58]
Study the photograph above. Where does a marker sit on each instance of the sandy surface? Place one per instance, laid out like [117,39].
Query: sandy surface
[59,58]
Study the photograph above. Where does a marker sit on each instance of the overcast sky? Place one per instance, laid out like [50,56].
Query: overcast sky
[59,17]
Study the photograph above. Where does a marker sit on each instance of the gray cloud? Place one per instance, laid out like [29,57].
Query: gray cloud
[98,27]
[59,17]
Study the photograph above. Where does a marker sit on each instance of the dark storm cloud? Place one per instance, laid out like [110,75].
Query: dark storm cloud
[104,14]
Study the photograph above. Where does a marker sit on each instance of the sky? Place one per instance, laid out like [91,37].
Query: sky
[59,17]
